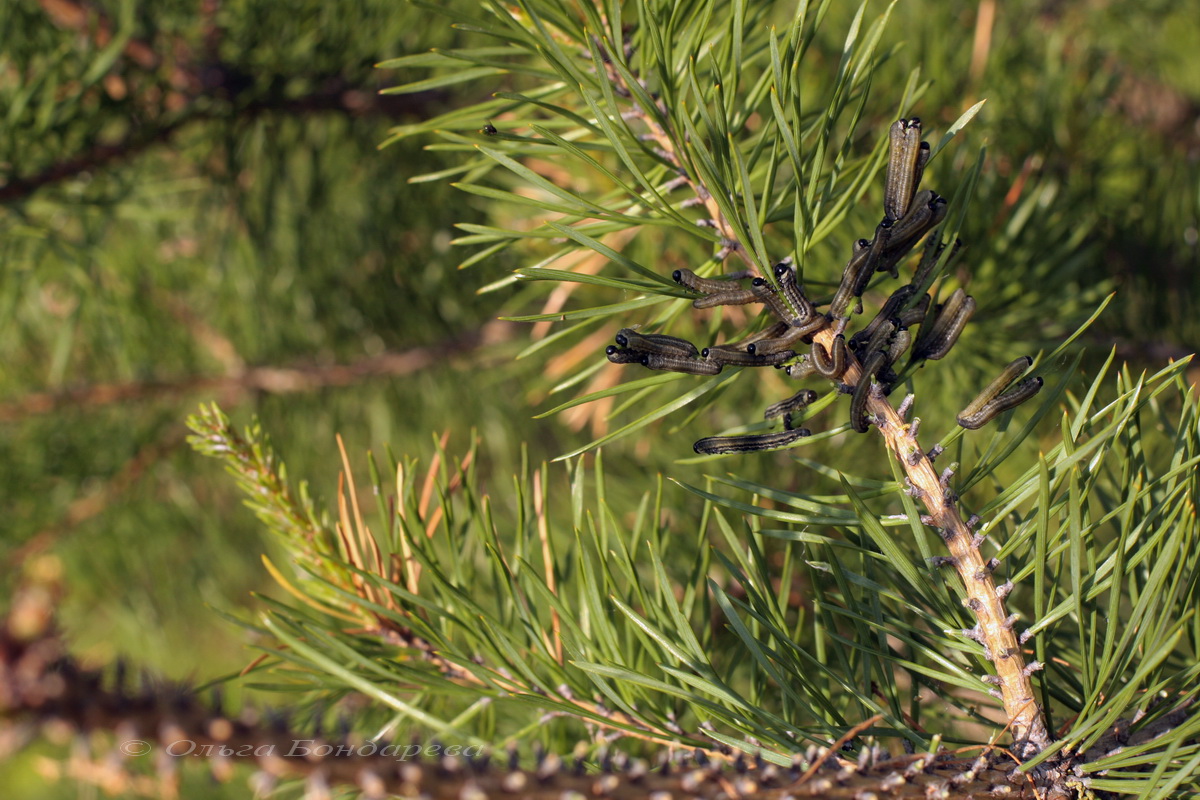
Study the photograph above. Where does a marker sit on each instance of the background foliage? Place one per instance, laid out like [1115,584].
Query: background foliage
[175,228]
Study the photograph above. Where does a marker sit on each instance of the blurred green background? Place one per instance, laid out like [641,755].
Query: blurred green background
[194,207]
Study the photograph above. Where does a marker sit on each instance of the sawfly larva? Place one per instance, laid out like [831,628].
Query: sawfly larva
[778,305]
[672,363]
[774,331]
[722,445]
[619,355]
[690,280]
[726,354]
[883,236]
[845,291]
[796,402]
[793,295]
[902,175]
[1022,392]
[1010,373]
[832,363]
[914,315]
[946,327]
[730,297]
[990,402]
[891,307]
[656,343]
[880,339]
[793,335]
[801,369]
[901,339]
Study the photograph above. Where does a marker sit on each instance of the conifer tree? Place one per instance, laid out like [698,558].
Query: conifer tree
[973,572]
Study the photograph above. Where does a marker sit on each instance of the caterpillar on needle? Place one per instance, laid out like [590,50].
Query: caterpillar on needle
[724,445]
[910,213]
[990,403]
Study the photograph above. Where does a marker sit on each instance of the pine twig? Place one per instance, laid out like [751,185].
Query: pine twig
[995,626]
[41,685]
[995,629]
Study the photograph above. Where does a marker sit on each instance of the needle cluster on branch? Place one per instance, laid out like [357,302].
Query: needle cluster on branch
[865,367]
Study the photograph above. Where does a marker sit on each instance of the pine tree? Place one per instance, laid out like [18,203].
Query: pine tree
[1018,619]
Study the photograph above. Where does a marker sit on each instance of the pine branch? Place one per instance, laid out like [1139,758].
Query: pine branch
[674,124]
[170,89]
[995,626]
[361,588]
[40,684]
[258,379]
[447,604]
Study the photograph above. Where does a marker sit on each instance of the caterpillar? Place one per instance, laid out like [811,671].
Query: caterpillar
[946,327]
[901,339]
[831,364]
[670,362]
[618,355]
[785,408]
[914,315]
[792,335]
[879,245]
[801,369]
[924,152]
[774,331]
[793,295]
[690,280]
[729,297]
[724,445]
[922,216]
[721,355]
[1023,391]
[656,343]
[880,339]
[845,291]
[903,174]
[667,361]
[765,293]
[891,307]
[919,221]
[990,403]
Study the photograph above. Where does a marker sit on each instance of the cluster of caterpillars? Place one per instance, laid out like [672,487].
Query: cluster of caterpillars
[789,341]
[41,686]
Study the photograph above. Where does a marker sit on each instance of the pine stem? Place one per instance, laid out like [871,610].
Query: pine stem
[995,628]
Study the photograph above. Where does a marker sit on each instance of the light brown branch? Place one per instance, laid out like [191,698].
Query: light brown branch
[995,628]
